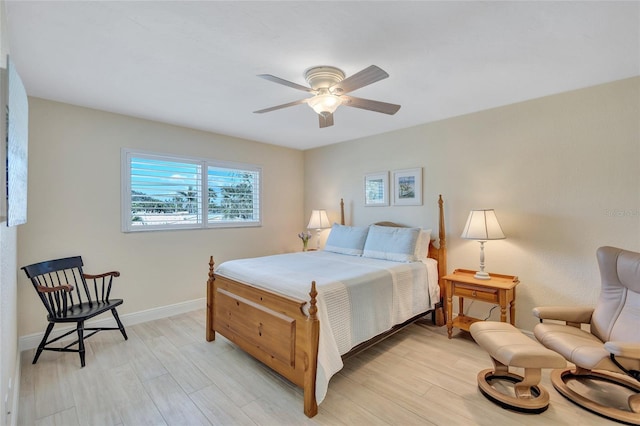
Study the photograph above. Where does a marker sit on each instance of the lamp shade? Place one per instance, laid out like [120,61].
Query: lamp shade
[482,225]
[318,220]
[324,103]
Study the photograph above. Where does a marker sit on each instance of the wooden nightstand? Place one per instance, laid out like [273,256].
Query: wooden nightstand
[500,289]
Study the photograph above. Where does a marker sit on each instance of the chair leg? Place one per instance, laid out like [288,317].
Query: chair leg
[43,342]
[81,342]
[120,326]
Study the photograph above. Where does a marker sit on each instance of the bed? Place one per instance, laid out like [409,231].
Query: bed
[259,303]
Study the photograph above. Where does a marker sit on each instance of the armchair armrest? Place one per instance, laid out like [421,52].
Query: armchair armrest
[624,349]
[106,274]
[65,287]
[569,314]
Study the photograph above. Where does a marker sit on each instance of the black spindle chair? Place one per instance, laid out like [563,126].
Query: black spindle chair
[70,295]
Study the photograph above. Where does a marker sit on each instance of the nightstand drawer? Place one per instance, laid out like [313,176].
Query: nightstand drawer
[478,293]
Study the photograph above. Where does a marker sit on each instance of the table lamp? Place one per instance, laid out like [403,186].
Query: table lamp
[318,221]
[482,225]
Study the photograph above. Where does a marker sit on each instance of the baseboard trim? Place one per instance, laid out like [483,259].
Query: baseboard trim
[31,341]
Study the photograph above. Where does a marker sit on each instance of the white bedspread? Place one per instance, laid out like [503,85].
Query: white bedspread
[358,297]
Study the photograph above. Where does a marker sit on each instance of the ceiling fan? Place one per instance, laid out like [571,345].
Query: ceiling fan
[329,87]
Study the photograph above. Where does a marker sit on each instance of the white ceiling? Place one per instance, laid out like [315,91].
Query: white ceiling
[194,64]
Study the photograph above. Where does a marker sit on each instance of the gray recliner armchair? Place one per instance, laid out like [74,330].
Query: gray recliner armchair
[608,352]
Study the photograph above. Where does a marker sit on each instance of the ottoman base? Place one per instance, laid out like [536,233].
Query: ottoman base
[538,402]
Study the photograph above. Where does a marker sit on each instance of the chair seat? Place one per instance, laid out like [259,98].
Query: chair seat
[85,311]
[578,346]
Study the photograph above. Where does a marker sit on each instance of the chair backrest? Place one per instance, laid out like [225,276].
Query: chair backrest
[61,283]
[617,313]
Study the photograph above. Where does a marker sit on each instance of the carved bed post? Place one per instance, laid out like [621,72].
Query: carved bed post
[310,404]
[442,258]
[341,211]
[442,262]
[211,334]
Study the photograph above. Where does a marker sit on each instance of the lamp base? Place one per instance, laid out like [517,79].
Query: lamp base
[481,275]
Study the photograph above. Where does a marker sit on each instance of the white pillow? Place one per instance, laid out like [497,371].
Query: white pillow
[346,239]
[422,246]
[391,243]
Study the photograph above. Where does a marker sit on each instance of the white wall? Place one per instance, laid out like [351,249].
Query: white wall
[9,355]
[562,172]
[74,207]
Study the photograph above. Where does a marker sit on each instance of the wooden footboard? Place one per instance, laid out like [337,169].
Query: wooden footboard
[273,329]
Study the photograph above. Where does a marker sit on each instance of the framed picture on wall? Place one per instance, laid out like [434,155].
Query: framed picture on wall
[407,187]
[376,189]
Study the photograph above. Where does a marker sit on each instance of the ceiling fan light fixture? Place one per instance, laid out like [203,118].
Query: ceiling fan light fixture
[330,88]
[324,104]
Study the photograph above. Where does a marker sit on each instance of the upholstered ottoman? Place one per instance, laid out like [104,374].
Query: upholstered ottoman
[508,347]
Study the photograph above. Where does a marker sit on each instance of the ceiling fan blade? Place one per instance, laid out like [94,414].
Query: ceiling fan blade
[360,79]
[370,105]
[326,120]
[286,82]
[273,108]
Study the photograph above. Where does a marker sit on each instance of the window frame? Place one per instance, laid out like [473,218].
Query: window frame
[127,154]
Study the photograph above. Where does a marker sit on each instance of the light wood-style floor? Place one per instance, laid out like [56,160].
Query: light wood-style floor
[166,373]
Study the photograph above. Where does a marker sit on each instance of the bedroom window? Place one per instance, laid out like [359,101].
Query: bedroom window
[163,192]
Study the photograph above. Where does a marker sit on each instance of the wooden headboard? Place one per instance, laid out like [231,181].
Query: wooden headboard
[438,253]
